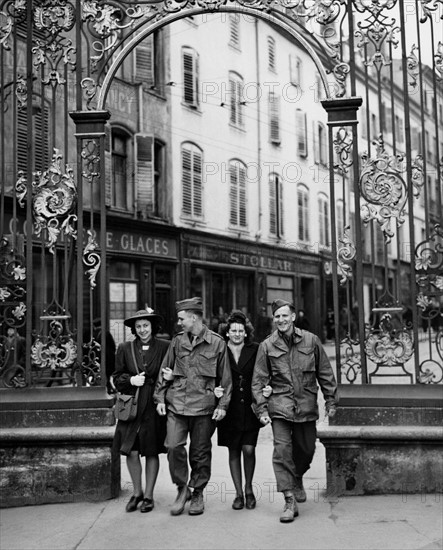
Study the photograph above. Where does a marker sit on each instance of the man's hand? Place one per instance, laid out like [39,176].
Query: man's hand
[330,411]
[167,374]
[265,419]
[219,414]
[138,379]
[267,391]
[161,409]
[218,392]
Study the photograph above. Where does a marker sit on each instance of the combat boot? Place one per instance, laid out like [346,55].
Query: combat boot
[290,510]
[183,495]
[197,506]
[299,490]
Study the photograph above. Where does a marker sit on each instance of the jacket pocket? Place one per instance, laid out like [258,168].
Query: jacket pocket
[276,360]
[180,364]
[307,360]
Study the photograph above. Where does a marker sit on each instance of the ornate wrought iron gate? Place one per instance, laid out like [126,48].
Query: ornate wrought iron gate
[381,63]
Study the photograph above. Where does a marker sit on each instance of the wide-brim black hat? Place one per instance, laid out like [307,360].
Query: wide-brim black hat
[143,314]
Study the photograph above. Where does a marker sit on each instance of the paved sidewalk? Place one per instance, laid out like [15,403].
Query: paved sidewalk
[371,522]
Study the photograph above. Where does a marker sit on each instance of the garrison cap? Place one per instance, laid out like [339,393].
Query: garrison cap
[277,304]
[194,304]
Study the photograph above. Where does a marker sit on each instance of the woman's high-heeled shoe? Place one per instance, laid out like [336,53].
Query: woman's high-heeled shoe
[133,503]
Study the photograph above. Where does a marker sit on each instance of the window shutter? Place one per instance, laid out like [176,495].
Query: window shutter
[192,182]
[280,207]
[235,29]
[414,138]
[144,173]
[187,181]
[144,62]
[272,206]
[190,79]
[234,104]
[322,144]
[22,133]
[108,166]
[315,130]
[271,53]
[274,124]
[294,69]
[300,122]
[243,219]
[197,183]
[233,218]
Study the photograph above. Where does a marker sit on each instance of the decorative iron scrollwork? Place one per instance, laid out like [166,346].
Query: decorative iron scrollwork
[345,255]
[54,198]
[382,185]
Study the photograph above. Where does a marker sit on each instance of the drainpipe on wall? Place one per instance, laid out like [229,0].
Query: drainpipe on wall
[257,60]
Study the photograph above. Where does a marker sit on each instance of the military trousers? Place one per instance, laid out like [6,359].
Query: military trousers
[200,430]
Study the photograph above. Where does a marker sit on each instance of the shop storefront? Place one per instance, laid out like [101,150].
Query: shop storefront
[231,274]
[142,267]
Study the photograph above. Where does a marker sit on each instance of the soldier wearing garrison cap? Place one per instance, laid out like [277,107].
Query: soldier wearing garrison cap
[293,362]
[195,365]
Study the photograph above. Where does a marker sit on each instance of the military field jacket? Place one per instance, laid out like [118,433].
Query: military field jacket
[294,372]
[197,368]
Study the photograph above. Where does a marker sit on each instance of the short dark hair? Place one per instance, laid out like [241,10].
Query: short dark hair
[240,318]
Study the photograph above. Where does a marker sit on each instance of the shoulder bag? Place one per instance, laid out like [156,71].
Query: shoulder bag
[126,405]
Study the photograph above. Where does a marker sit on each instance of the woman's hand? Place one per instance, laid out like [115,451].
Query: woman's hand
[218,392]
[167,374]
[267,390]
[138,379]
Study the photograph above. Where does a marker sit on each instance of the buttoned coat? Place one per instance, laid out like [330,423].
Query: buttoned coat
[149,425]
[240,417]
[198,368]
[294,372]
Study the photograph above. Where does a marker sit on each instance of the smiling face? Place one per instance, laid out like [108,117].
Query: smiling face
[236,333]
[143,329]
[284,319]
[186,320]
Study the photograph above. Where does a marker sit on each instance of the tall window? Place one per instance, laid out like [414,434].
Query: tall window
[237,194]
[234,30]
[192,182]
[303,213]
[121,183]
[190,77]
[274,118]
[320,149]
[236,99]
[276,205]
[271,54]
[150,175]
[302,136]
[149,67]
[295,70]
[323,214]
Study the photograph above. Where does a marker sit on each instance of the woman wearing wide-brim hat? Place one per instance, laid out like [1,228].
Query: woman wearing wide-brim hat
[145,435]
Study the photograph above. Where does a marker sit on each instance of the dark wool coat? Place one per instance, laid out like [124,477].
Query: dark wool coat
[240,416]
[150,426]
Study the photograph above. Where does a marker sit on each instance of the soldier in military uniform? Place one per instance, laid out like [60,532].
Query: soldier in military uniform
[195,364]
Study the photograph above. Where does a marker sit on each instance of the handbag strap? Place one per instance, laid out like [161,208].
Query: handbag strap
[133,355]
[136,366]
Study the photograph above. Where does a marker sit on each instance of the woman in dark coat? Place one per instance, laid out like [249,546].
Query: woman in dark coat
[145,435]
[239,429]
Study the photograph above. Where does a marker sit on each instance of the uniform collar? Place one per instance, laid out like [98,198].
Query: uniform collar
[279,342]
